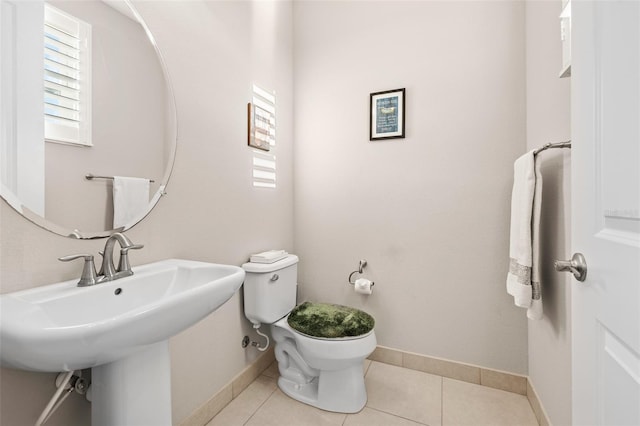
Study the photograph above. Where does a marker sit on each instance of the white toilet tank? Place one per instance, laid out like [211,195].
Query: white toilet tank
[270,289]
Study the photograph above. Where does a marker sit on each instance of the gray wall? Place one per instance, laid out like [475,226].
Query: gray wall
[548,120]
[429,212]
[214,52]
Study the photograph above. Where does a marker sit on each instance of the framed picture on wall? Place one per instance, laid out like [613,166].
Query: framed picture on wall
[386,115]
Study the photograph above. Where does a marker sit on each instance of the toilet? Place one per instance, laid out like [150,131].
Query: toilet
[325,372]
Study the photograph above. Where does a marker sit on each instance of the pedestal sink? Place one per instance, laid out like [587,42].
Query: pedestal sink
[119,329]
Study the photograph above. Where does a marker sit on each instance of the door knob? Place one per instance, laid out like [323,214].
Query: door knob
[577,266]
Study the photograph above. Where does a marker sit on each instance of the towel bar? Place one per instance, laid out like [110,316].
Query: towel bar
[565,144]
[89,176]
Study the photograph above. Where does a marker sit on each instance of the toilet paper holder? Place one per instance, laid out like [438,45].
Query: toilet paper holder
[361,266]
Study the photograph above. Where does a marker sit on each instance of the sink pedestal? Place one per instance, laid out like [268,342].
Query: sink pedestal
[135,390]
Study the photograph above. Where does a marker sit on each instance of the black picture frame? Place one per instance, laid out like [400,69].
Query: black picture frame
[387,114]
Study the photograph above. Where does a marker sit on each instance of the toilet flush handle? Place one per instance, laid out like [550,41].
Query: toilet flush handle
[275,277]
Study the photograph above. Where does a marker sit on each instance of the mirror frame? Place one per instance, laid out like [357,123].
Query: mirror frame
[42,222]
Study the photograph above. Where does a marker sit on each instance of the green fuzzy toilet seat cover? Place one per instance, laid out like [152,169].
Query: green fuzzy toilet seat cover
[330,321]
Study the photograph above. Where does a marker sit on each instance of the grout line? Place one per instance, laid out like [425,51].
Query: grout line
[368,367]
[442,401]
[395,415]
[263,402]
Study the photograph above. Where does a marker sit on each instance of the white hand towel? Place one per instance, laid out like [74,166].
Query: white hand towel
[535,310]
[270,256]
[130,199]
[524,241]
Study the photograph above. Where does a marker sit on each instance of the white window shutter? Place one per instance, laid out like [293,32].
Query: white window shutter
[67,78]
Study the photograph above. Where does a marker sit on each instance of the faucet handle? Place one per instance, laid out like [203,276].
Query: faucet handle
[124,250]
[88,276]
[123,264]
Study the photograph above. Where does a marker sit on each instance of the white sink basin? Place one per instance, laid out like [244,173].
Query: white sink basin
[62,327]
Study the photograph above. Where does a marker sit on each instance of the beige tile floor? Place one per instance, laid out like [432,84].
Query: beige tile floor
[397,397]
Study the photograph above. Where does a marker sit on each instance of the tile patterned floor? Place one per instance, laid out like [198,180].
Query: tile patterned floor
[397,397]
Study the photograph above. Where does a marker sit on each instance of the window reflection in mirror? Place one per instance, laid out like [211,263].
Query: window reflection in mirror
[131,111]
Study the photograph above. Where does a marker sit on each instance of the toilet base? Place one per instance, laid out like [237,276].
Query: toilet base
[340,391]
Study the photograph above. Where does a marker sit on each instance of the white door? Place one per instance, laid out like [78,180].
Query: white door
[605,123]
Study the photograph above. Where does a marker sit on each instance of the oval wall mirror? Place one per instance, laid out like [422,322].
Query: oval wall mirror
[88,149]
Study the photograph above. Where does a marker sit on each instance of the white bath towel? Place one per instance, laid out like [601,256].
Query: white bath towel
[535,310]
[130,199]
[523,281]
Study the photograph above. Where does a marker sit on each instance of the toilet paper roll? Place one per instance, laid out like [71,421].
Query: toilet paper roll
[363,286]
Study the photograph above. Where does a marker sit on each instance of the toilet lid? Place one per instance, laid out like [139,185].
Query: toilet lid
[329,321]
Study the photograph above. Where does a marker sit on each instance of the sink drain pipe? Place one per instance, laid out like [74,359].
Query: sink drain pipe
[67,383]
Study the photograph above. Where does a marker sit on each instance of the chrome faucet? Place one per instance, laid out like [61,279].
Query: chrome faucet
[108,272]
[88,276]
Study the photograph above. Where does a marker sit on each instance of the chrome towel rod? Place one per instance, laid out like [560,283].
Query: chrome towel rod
[565,144]
[91,177]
